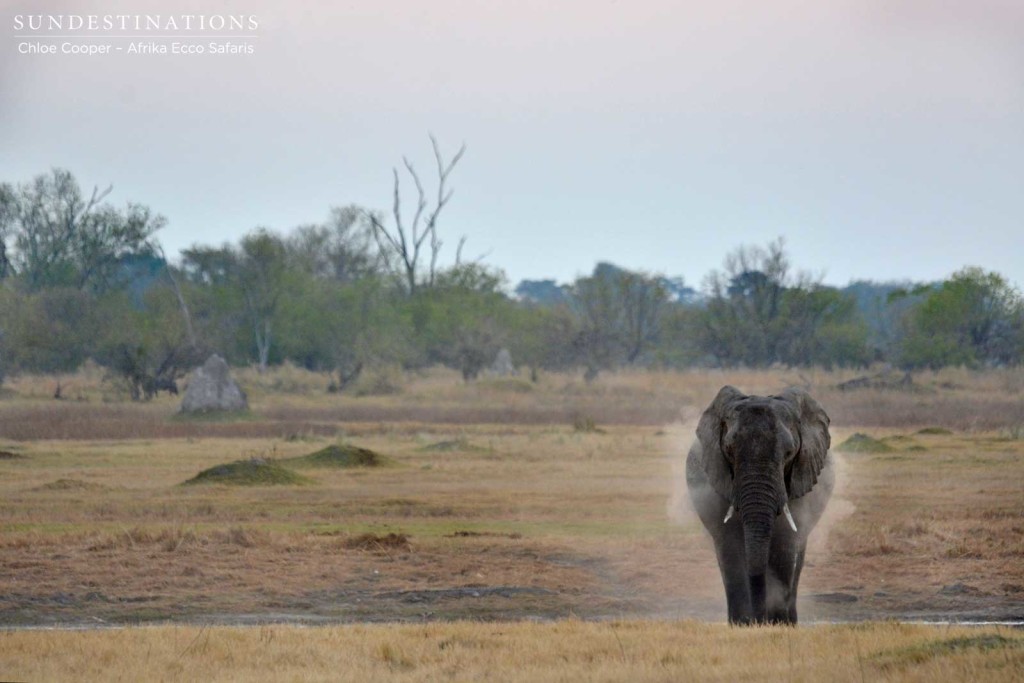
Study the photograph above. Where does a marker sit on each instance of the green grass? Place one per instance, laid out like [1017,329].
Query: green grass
[253,472]
[339,455]
[935,431]
[862,443]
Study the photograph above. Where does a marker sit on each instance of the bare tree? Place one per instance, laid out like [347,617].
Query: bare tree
[405,243]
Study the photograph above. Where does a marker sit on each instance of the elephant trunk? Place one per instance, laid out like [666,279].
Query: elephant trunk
[759,499]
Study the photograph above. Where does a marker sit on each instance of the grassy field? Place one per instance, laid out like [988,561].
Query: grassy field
[569,650]
[489,505]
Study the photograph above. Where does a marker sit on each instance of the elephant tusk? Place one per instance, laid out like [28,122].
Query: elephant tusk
[789,516]
[728,514]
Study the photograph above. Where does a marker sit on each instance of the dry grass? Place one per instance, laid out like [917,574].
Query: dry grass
[517,517]
[290,402]
[582,516]
[34,421]
[569,650]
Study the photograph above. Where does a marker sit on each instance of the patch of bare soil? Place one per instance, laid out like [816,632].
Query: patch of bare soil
[236,577]
[679,579]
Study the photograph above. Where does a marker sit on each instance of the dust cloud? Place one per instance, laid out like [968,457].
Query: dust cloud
[839,508]
[692,585]
[678,438]
[678,575]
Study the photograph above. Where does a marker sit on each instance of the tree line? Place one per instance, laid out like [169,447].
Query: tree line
[360,292]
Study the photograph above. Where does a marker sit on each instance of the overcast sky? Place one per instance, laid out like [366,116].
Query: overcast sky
[883,139]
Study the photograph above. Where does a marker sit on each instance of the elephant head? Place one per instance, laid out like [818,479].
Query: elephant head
[759,453]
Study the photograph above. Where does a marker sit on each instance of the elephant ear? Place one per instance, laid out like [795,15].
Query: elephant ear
[815,440]
[709,433]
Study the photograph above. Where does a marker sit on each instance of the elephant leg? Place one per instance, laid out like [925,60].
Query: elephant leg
[784,562]
[733,565]
[797,568]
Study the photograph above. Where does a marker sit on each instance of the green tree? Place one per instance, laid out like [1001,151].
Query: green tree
[743,318]
[54,236]
[678,344]
[340,249]
[244,285]
[541,336]
[974,317]
[210,284]
[822,327]
[463,319]
[50,331]
[618,314]
[145,344]
[260,272]
[343,328]
[758,313]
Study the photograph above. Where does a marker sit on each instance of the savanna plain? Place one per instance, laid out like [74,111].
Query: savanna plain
[502,529]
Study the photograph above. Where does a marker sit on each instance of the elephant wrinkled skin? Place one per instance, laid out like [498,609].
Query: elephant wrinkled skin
[759,475]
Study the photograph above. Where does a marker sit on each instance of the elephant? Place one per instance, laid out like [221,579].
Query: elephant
[759,475]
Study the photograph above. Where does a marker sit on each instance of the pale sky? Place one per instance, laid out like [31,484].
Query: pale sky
[884,139]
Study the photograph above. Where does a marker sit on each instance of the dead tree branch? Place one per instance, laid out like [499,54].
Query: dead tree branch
[406,241]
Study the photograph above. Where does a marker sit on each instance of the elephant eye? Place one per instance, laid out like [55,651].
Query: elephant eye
[728,441]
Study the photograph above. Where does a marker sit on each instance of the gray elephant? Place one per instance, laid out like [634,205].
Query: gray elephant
[760,474]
